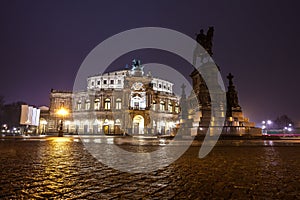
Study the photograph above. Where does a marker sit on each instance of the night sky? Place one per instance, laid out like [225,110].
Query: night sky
[43,44]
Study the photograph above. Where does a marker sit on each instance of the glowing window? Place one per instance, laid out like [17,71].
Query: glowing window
[176,108]
[118,104]
[87,104]
[162,106]
[153,104]
[170,107]
[107,104]
[97,104]
[79,105]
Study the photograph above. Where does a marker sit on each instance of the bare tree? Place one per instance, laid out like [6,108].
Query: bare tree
[283,121]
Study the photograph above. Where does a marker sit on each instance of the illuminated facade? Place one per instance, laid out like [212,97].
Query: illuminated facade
[125,101]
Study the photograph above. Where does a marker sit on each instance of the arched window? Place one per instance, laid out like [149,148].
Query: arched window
[137,102]
[118,104]
[170,107]
[87,104]
[78,106]
[106,126]
[162,106]
[107,104]
[176,108]
[153,104]
[97,104]
[118,122]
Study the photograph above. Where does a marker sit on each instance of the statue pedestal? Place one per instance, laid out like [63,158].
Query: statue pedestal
[60,133]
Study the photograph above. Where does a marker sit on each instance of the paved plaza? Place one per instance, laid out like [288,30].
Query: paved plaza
[61,168]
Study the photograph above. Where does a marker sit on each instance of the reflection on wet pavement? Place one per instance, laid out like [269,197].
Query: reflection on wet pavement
[61,168]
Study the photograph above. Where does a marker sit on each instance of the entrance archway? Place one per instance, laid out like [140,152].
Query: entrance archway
[138,124]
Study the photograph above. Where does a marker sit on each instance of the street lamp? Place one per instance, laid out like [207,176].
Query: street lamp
[264,130]
[269,122]
[62,112]
[266,125]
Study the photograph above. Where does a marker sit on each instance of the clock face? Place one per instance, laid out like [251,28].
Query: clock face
[137,86]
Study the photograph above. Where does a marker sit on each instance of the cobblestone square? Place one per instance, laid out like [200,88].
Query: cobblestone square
[50,169]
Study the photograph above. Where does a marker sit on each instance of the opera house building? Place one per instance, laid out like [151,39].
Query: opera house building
[131,102]
[126,101]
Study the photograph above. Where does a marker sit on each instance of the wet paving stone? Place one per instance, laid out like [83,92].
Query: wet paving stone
[45,169]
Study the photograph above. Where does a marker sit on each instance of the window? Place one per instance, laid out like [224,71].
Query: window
[111,81]
[92,83]
[79,105]
[119,82]
[136,105]
[118,122]
[118,104]
[107,104]
[176,108]
[104,81]
[162,106]
[153,104]
[62,104]
[159,85]
[170,107]
[98,82]
[87,104]
[97,104]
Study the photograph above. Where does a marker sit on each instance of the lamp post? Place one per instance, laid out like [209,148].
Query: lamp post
[266,126]
[269,122]
[62,112]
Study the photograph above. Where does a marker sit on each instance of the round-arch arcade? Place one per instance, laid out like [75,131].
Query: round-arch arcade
[138,124]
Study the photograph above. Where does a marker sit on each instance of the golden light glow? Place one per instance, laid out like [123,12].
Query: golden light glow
[43,122]
[62,112]
[60,139]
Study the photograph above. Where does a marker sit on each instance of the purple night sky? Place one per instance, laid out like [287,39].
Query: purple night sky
[43,44]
